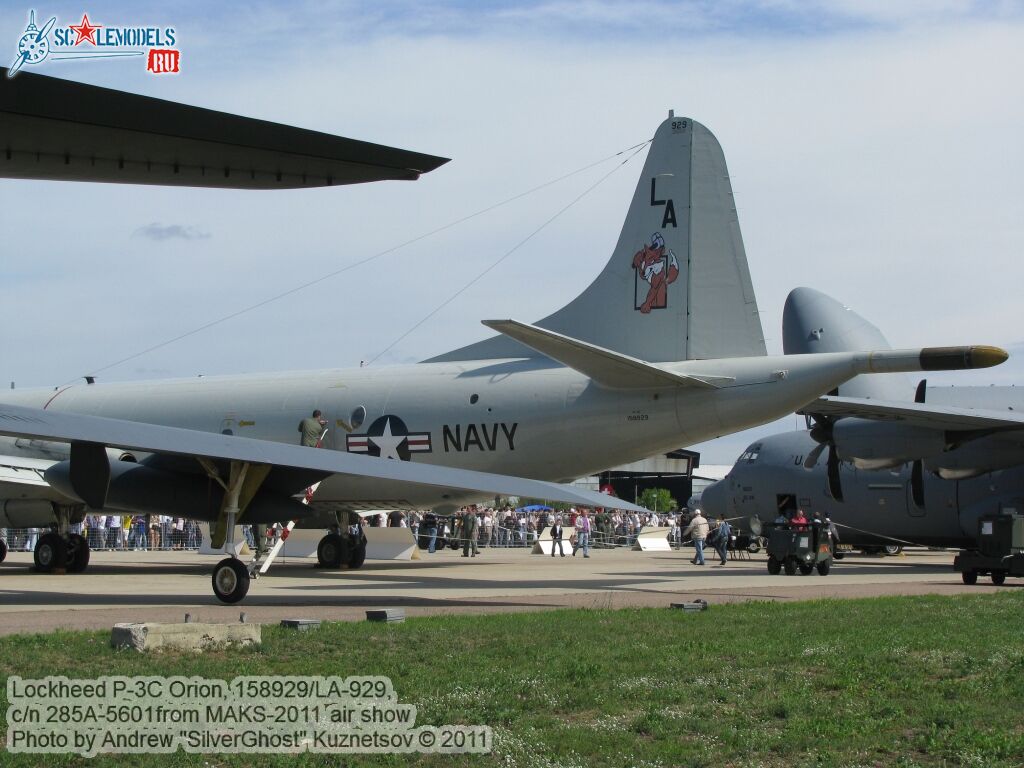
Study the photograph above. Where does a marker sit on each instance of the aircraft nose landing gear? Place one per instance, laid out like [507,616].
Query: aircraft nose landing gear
[230,580]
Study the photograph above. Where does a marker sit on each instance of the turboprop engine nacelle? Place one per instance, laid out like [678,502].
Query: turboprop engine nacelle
[977,457]
[882,444]
[26,513]
[142,490]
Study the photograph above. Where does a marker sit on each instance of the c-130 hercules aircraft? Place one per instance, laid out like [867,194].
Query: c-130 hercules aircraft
[888,469]
[664,348]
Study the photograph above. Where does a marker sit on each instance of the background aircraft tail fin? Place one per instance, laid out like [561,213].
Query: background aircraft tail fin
[677,286]
[815,322]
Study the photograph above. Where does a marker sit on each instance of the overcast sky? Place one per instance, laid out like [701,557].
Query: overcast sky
[875,150]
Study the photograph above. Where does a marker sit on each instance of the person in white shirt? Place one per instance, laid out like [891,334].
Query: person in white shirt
[698,528]
[583,529]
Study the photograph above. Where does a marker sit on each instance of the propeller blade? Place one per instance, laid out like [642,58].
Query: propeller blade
[821,432]
[917,482]
[812,458]
[835,485]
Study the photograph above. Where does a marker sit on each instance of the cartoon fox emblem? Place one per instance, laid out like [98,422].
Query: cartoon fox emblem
[658,268]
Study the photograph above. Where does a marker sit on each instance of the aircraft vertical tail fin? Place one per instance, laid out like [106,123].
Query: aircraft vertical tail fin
[677,286]
[815,322]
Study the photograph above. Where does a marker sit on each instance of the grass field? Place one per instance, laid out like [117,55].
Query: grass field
[924,681]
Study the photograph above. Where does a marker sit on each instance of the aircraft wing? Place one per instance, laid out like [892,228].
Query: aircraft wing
[22,478]
[33,423]
[63,130]
[947,418]
[606,367]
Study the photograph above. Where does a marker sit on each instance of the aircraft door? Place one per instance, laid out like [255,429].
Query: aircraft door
[912,508]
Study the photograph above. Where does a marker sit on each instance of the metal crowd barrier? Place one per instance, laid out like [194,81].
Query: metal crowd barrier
[109,539]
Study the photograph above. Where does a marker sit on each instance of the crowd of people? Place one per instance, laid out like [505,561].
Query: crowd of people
[119,532]
[471,529]
[476,527]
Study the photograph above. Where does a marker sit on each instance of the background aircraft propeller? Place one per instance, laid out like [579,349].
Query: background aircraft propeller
[917,469]
[822,433]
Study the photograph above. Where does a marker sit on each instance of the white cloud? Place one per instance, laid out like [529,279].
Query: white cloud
[160,232]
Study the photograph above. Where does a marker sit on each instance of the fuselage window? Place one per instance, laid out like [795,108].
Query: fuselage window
[751,454]
[358,417]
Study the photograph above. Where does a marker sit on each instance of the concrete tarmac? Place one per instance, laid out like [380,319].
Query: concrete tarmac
[163,586]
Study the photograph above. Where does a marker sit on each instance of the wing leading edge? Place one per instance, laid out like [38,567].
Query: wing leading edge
[940,417]
[17,421]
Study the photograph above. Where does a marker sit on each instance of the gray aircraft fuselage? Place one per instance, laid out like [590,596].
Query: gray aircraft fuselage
[876,502]
[518,417]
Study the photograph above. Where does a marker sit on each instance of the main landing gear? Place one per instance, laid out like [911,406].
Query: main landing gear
[337,551]
[59,551]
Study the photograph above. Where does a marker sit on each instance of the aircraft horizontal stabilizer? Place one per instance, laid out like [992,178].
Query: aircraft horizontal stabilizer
[946,418]
[607,368]
[33,423]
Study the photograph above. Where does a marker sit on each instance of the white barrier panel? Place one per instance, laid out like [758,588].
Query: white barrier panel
[241,547]
[652,540]
[545,545]
[381,543]
[391,544]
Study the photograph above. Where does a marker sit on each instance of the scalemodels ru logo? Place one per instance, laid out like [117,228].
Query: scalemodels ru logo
[91,40]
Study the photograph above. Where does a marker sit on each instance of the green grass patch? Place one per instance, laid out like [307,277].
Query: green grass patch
[915,681]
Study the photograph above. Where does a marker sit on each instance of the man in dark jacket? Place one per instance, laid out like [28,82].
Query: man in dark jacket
[556,537]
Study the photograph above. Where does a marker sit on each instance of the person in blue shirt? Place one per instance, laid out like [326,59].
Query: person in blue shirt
[723,532]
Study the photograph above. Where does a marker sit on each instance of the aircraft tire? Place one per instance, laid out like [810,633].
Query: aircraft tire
[806,569]
[838,555]
[998,577]
[789,566]
[358,556]
[970,577]
[331,551]
[230,580]
[774,566]
[51,553]
[78,553]
[3,551]
[754,547]
[824,567]
[892,549]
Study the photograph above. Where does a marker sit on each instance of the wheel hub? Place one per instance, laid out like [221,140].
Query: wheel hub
[227,580]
